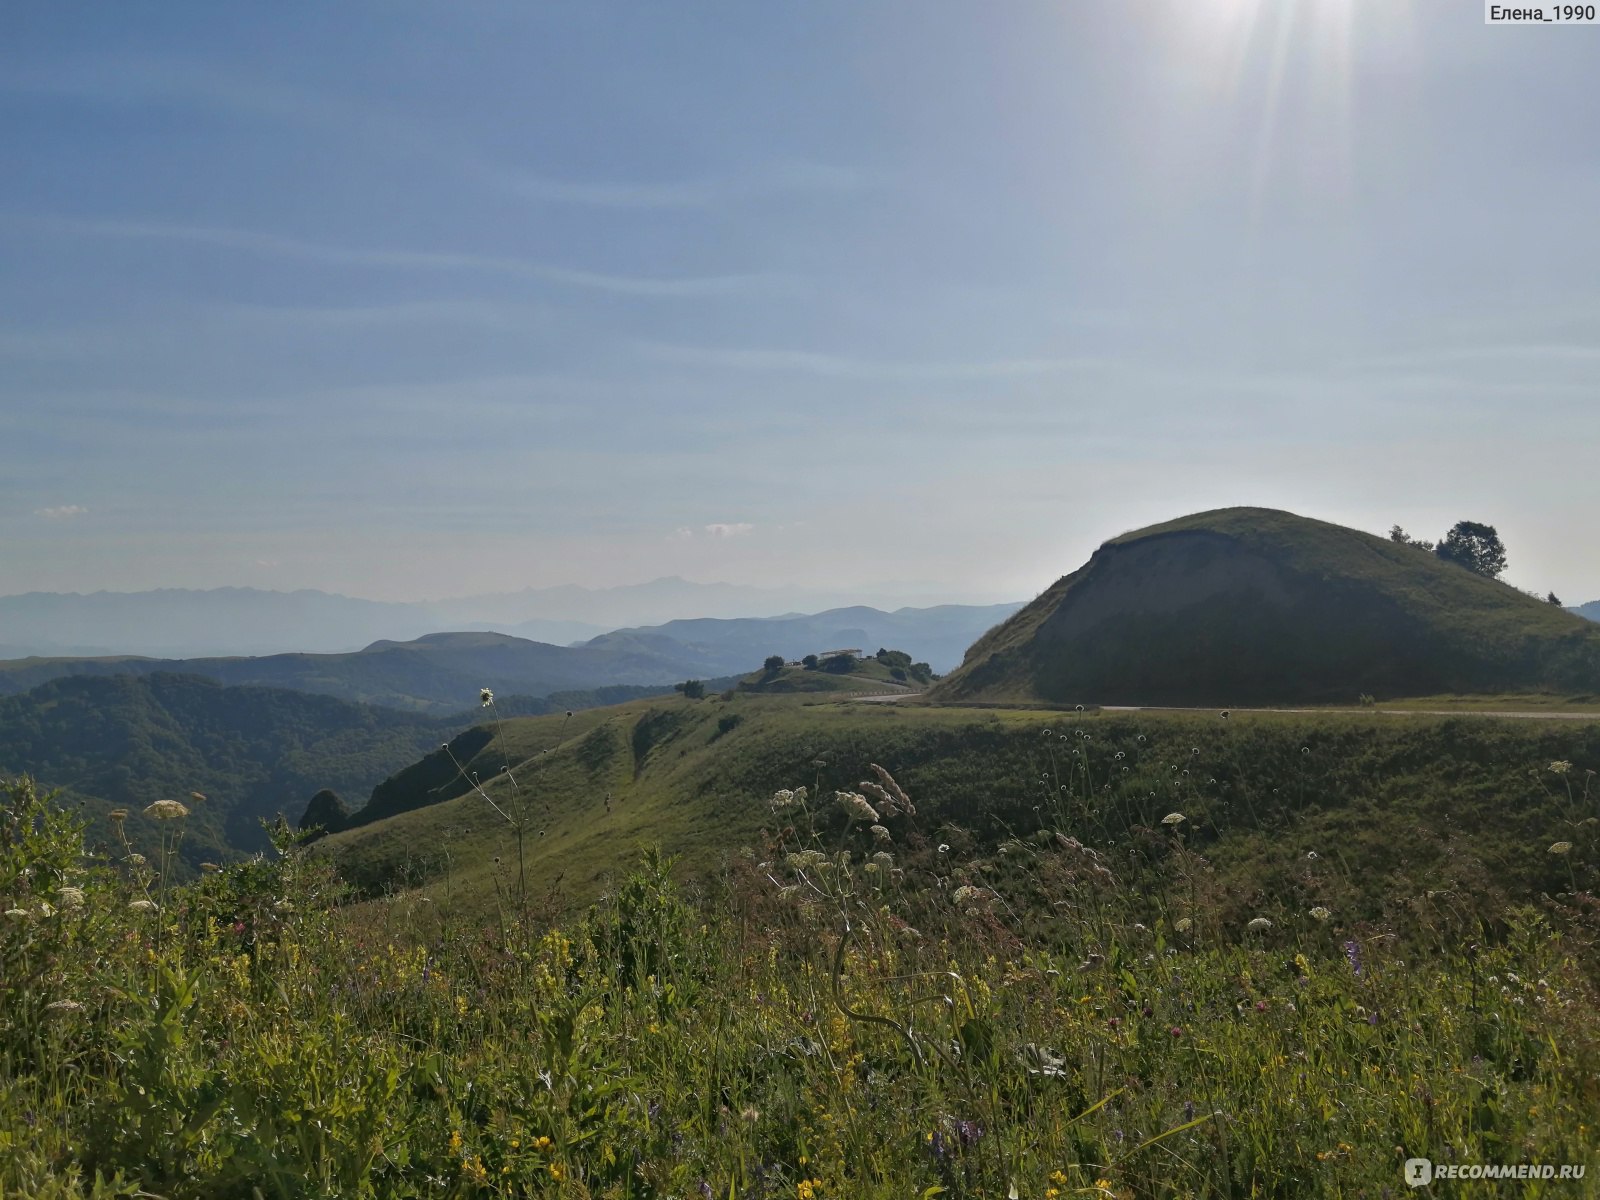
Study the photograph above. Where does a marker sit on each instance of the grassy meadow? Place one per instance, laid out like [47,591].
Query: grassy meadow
[1026,954]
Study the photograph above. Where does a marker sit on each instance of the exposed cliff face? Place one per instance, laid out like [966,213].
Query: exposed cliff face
[1256,607]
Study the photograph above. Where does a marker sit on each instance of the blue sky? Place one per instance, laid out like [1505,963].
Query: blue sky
[414,299]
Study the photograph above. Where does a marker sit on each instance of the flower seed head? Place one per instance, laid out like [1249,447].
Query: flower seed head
[166,810]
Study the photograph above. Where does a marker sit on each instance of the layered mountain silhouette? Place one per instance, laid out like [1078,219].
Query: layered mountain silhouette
[441,673]
[1256,606]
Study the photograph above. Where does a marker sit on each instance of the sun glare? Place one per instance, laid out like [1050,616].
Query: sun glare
[1272,59]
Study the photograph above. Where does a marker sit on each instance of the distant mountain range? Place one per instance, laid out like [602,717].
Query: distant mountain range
[441,673]
[1590,610]
[220,622]
[1253,606]
[938,636]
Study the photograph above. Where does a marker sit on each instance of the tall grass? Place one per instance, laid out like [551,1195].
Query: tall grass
[862,1006]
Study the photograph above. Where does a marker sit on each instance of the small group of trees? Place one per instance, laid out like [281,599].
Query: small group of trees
[1469,544]
[898,661]
[901,668]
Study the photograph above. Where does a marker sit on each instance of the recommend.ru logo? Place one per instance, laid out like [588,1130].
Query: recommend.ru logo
[1420,1172]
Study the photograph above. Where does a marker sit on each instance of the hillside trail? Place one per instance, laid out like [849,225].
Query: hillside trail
[1515,714]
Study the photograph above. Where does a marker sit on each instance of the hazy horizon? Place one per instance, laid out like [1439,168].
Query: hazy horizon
[897,592]
[420,301]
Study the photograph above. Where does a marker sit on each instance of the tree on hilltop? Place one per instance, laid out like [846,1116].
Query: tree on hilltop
[1474,546]
[773,664]
[692,689]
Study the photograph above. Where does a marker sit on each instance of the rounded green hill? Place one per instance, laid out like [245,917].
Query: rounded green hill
[1256,606]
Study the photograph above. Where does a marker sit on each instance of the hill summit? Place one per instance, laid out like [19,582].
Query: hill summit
[1255,606]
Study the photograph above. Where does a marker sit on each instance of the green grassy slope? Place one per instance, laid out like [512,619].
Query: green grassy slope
[869,675]
[1399,805]
[1253,606]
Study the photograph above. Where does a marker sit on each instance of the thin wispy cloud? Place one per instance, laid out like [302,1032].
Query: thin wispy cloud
[166,81]
[255,242]
[61,513]
[840,366]
[773,179]
[717,530]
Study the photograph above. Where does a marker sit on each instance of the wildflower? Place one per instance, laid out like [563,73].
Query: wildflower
[1321,914]
[1561,848]
[557,1171]
[166,810]
[1183,925]
[118,815]
[965,893]
[17,914]
[1176,1031]
[70,897]
[1259,925]
[1352,951]
[136,859]
[63,1006]
[750,1115]
[880,834]
[781,799]
[856,805]
[198,797]
[883,858]
[1173,818]
[1561,766]
[455,1141]
[210,868]
[944,847]
[485,698]
[142,906]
